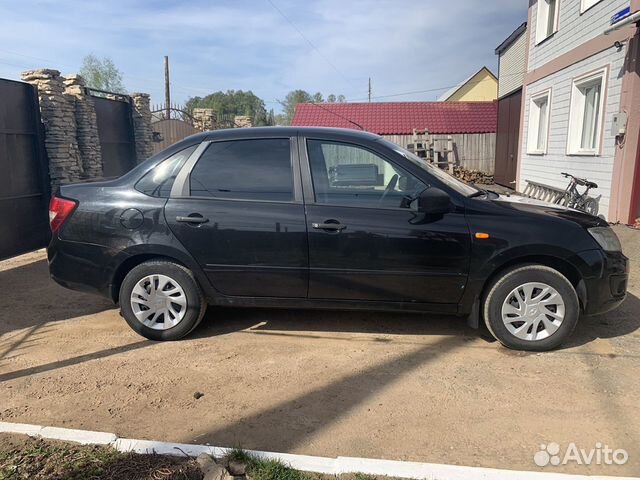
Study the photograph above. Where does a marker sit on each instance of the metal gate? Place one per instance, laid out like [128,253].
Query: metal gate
[24,177]
[169,132]
[170,125]
[115,131]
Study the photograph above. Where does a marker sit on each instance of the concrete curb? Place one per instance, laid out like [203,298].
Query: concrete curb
[326,465]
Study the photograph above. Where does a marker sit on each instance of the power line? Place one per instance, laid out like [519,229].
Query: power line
[436,89]
[188,88]
[307,40]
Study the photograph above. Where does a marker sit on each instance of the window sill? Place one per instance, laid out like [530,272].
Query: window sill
[589,153]
[582,12]
[540,42]
[538,153]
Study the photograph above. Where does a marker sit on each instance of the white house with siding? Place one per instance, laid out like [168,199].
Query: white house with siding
[511,67]
[578,79]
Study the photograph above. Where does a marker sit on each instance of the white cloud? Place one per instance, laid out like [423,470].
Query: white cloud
[403,45]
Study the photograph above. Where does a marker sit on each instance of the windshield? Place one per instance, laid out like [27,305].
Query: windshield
[449,180]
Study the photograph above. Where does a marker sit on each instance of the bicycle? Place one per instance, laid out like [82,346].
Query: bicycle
[581,201]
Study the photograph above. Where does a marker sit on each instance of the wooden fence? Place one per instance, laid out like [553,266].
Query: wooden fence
[472,151]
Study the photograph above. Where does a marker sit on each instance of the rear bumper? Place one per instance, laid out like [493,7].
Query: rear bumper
[606,289]
[82,267]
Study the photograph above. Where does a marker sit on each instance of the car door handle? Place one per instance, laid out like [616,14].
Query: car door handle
[190,219]
[337,227]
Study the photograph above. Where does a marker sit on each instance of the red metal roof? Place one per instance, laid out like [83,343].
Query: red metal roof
[400,118]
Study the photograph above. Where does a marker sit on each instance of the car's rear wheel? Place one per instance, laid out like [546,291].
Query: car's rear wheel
[161,300]
[531,307]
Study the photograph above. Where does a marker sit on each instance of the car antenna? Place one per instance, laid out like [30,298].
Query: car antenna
[338,115]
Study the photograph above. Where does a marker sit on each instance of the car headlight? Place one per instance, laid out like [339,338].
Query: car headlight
[606,238]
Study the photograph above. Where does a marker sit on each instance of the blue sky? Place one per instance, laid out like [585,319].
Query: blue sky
[268,46]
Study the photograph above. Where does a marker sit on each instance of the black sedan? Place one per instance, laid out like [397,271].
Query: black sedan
[328,218]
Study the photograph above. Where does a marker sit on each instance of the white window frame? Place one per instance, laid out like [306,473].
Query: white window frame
[541,26]
[536,121]
[587,4]
[577,112]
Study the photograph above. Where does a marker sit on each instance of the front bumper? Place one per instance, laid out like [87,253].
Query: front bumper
[606,289]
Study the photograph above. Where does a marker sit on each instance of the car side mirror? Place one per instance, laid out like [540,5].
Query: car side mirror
[434,201]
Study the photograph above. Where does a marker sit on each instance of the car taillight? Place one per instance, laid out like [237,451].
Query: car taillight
[59,210]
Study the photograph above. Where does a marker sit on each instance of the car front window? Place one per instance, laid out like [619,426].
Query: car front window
[449,180]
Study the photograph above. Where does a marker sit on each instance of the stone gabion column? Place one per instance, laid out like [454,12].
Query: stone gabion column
[142,126]
[58,116]
[86,127]
[243,121]
[204,119]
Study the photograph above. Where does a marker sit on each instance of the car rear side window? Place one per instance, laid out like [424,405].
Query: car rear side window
[158,182]
[245,170]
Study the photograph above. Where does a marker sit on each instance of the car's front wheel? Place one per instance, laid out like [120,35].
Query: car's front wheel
[531,307]
[161,300]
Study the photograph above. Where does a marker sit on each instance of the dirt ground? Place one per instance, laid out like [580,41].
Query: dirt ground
[395,386]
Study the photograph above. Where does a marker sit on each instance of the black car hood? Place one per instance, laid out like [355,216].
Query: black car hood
[532,206]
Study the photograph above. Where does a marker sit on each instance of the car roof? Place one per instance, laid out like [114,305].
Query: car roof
[233,133]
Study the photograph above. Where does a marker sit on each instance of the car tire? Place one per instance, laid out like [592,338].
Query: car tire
[531,307]
[161,300]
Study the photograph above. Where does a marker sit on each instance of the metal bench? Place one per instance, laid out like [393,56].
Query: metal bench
[546,193]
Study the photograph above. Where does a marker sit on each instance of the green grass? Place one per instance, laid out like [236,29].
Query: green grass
[262,469]
[36,459]
[24,458]
[275,470]
[239,455]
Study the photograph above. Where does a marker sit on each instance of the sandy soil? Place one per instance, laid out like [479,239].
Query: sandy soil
[322,383]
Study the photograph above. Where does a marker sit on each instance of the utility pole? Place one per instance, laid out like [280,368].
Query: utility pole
[369,89]
[167,94]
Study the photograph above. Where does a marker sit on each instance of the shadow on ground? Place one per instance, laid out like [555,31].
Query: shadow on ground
[267,321]
[617,323]
[287,424]
[31,298]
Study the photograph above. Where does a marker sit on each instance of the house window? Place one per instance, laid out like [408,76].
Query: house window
[587,4]
[547,23]
[539,123]
[585,122]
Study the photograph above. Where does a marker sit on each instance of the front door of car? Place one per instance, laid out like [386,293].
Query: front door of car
[242,219]
[367,241]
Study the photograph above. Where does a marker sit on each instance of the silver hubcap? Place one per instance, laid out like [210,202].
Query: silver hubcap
[533,311]
[158,302]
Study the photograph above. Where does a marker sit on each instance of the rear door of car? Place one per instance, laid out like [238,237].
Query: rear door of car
[237,208]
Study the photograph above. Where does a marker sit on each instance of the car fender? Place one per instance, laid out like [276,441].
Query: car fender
[129,257]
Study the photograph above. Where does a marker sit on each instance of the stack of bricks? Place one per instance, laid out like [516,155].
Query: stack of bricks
[142,130]
[204,119]
[86,127]
[243,121]
[58,116]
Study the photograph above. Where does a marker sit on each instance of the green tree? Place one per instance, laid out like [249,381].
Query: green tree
[102,74]
[290,102]
[233,102]
[295,97]
[280,119]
